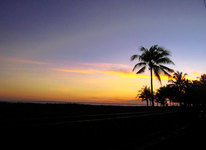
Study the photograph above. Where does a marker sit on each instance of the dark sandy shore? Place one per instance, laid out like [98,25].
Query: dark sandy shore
[74,126]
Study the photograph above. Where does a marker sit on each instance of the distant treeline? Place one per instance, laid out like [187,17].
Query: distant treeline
[179,91]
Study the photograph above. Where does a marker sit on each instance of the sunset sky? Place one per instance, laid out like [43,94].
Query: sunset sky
[79,50]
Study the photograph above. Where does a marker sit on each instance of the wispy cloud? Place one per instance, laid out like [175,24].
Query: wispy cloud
[196,74]
[120,70]
[121,73]
[106,65]
[89,68]
[75,70]
[24,61]
[126,73]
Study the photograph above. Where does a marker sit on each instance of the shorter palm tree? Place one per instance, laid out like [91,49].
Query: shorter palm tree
[178,78]
[145,94]
[203,78]
[179,81]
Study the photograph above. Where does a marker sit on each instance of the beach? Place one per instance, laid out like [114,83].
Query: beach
[99,127]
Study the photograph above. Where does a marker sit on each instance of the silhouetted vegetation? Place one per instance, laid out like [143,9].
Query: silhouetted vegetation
[145,94]
[153,58]
[182,92]
[179,90]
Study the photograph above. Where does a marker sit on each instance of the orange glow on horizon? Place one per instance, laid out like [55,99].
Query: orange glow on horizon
[121,73]
[82,82]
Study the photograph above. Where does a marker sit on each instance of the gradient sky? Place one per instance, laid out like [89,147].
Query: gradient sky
[78,51]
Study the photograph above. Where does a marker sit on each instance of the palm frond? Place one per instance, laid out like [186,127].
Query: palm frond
[157,72]
[160,55]
[164,60]
[146,57]
[185,74]
[165,72]
[163,51]
[153,48]
[166,68]
[141,70]
[133,57]
[143,49]
[139,65]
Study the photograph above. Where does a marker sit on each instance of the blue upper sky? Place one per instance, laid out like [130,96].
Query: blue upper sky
[106,31]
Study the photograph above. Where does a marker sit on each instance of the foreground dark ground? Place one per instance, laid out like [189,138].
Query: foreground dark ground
[74,126]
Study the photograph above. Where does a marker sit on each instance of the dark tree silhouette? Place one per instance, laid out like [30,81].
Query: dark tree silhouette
[203,78]
[163,94]
[145,94]
[179,81]
[191,93]
[153,58]
[178,78]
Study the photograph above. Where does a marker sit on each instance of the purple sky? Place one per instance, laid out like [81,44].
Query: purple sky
[100,31]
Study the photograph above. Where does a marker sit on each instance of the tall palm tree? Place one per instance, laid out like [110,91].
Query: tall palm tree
[153,58]
[145,94]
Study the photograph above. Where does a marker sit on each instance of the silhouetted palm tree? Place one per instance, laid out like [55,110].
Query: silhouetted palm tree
[166,93]
[179,81]
[162,95]
[178,78]
[203,78]
[154,58]
[145,94]
[184,91]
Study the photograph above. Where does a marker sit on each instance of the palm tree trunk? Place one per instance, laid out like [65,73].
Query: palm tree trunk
[147,102]
[152,87]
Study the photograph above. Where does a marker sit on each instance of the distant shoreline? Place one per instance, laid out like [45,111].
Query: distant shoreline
[63,102]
